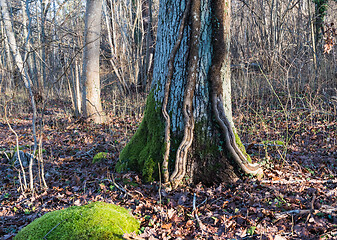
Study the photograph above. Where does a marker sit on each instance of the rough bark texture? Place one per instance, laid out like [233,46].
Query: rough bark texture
[199,147]
[166,96]
[91,105]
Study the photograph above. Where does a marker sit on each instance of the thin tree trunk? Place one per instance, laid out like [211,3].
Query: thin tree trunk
[26,34]
[9,64]
[312,33]
[91,92]
[76,89]
[32,57]
[27,81]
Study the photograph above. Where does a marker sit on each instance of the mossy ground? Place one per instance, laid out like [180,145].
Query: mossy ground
[145,149]
[97,220]
[99,157]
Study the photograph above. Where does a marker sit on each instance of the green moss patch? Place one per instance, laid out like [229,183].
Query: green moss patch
[99,157]
[145,149]
[241,146]
[97,220]
[276,143]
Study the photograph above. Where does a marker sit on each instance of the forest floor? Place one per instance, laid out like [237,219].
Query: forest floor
[296,199]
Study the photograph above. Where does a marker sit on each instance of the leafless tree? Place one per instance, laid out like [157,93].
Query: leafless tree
[191,94]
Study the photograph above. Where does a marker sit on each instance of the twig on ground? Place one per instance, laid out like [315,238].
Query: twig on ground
[202,203]
[159,189]
[113,179]
[141,194]
[195,211]
[117,186]
[324,209]
[88,153]
[132,236]
[4,153]
[45,236]
[332,233]
[292,212]
[298,181]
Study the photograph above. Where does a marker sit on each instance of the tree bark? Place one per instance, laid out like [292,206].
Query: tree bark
[191,89]
[91,99]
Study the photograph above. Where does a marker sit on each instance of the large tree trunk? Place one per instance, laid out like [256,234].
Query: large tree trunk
[91,99]
[187,126]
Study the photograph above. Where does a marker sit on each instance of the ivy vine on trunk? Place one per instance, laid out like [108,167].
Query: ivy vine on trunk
[187,127]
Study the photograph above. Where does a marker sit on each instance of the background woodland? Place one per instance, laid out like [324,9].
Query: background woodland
[284,96]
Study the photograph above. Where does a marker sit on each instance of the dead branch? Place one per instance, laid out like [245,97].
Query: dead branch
[195,211]
[324,209]
[119,187]
[299,181]
[45,236]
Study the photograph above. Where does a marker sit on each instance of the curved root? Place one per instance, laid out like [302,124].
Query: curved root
[182,152]
[226,128]
[181,157]
[167,90]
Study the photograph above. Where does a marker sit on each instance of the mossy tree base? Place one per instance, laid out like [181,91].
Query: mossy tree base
[145,149]
[99,220]
[191,70]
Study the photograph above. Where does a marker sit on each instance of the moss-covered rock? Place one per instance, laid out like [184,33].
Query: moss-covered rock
[97,220]
[146,148]
[99,157]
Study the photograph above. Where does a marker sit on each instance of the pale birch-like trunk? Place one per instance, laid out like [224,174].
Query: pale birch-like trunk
[8,62]
[44,10]
[23,71]
[198,104]
[91,92]
[26,21]
[76,89]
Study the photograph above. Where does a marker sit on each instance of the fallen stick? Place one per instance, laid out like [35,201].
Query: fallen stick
[117,186]
[195,211]
[297,181]
[324,209]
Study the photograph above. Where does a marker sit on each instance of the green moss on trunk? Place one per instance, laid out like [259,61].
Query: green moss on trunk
[211,156]
[146,148]
[240,145]
[206,145]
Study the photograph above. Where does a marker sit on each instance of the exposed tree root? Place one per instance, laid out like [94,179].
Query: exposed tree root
[167,139]
[220,59]
[181,157]
[230,142]
[219,70]
[182,152]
